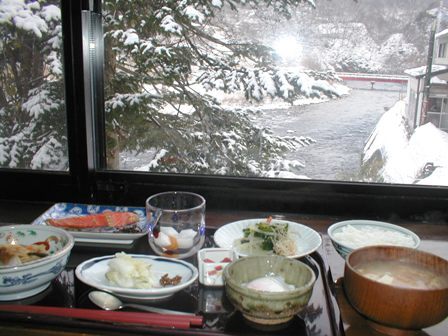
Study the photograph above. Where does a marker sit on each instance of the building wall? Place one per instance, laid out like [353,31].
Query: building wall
[439,90]
[441,50]
[443,77]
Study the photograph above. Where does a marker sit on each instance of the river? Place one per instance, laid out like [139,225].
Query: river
[340,128]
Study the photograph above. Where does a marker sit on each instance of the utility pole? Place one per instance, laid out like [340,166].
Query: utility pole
[427,83]
[439,15]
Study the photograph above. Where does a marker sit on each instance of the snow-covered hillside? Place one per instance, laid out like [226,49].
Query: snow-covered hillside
[395,156]
[345,35]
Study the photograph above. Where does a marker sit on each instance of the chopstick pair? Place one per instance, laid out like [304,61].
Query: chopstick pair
[148,319]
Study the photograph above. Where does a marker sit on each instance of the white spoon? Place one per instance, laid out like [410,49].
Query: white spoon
[110,302]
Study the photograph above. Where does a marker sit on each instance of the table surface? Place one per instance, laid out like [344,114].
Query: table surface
[434,239]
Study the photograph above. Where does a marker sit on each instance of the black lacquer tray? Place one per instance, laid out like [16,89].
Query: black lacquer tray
[320,318]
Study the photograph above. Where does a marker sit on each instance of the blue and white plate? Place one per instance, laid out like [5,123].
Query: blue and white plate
[93,273]
[101,235]
[306,239]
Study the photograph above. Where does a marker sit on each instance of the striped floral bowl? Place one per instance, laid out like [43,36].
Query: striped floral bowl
[31,256]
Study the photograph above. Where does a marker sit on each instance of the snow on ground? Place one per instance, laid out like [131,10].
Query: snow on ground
[420,71]
[389,135]
[429,144]
[237,99]
[405,157]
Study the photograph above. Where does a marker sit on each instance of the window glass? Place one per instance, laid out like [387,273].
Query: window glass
[442,50]
[32,108]
[290,89]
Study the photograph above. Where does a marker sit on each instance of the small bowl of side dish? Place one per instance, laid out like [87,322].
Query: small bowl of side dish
[397,288]
[349,235]
[211,264]
[269,290]
[31,256]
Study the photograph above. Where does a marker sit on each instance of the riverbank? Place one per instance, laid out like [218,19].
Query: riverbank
[394,155]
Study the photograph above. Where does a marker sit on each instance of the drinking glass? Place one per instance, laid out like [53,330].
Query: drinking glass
[177,223]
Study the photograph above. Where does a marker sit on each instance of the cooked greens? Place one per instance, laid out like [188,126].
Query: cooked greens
[268,233]
[266,237]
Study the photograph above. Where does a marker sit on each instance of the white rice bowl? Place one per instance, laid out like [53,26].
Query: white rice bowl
[349,235]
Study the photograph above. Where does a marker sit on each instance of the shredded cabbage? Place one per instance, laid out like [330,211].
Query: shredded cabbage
[125,271]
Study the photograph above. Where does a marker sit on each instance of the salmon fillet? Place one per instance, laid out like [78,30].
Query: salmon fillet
[106,219]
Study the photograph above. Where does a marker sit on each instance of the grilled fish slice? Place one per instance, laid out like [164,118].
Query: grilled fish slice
[106,219]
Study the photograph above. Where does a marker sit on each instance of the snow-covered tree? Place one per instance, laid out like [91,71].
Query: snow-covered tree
[32,112]
[164,58]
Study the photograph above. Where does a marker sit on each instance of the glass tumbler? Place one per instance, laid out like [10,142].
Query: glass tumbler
[177,223]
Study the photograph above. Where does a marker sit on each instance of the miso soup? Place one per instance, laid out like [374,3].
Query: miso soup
[402,274]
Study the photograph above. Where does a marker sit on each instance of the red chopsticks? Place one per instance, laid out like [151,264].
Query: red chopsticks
[149,319]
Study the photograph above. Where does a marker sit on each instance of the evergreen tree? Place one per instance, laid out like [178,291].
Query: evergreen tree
[162,60]
[32,111]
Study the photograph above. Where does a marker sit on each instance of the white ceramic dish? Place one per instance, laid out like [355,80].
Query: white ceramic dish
[211,263]
[33,277]
[93,273]
[359,224]
[308,240]
[101,236]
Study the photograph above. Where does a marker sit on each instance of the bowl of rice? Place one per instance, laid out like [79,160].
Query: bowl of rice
[349,235]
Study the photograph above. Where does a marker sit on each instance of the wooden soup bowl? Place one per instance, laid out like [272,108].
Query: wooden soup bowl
[393,306]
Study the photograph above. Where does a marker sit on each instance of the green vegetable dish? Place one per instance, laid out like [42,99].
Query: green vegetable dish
[267,238]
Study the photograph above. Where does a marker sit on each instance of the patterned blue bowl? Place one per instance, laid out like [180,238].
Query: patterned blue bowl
[25,272]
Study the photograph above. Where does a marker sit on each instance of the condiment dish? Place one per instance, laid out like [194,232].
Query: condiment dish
[211,264]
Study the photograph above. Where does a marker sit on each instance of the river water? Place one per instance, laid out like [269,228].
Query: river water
[339,127]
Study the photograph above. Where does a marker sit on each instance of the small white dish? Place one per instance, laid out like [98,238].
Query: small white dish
[307,240]
[212,262]
[93,273]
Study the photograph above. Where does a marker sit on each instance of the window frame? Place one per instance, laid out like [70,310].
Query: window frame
[87,182]
[32,185]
